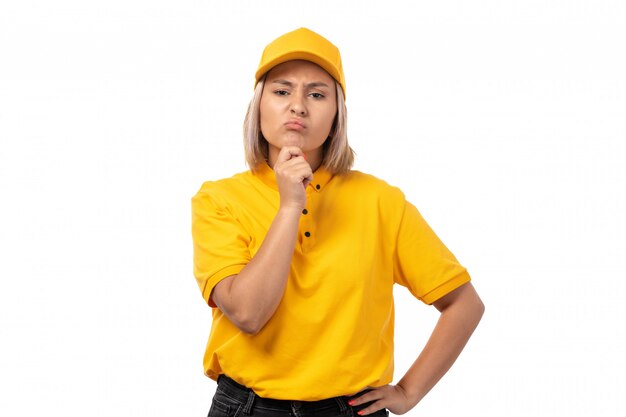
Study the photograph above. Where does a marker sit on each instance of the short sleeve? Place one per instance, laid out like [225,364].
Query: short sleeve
[220,244]
[422,263]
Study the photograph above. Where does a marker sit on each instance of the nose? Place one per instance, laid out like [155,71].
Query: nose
[297,105]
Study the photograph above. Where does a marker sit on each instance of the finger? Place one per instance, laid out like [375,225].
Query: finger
[292,168]
[365,398]
[288,152]
[295,161]
[307,180]
[301,177]
[372,408]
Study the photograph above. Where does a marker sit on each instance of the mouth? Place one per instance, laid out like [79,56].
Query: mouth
[294,125]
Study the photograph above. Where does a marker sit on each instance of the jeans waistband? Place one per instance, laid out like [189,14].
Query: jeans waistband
[248,397]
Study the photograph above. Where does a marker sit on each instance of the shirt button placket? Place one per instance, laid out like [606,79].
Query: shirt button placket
[306,223]
[307,229]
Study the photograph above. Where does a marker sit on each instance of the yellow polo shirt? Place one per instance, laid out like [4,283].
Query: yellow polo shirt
[332,333]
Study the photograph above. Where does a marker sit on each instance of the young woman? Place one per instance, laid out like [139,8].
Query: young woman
[298,257]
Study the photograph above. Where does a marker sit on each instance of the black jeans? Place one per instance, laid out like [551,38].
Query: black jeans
[234,400]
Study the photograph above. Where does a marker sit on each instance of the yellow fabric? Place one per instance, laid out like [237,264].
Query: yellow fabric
[332,333]
[303,44]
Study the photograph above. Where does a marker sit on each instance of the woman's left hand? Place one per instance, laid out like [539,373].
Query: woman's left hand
[391,397]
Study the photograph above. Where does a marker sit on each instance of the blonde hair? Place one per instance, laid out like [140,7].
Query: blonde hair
[338,156]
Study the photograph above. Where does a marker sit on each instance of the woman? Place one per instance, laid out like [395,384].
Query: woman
[298,257]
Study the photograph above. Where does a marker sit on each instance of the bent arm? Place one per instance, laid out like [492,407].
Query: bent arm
[461,311]
[250,298]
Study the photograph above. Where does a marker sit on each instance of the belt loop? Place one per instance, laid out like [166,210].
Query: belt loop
[247,409]
[342,404]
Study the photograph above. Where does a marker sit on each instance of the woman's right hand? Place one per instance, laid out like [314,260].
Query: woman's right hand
[250,298]
[293,174]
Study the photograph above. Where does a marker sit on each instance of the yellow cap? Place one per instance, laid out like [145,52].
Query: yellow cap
[303,44]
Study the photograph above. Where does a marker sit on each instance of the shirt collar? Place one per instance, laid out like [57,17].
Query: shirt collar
[321,177]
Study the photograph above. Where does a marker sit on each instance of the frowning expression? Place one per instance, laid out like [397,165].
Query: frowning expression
[298,108]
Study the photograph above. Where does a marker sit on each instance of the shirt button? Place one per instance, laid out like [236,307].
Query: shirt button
[318,186]
[305,211]
[307,234]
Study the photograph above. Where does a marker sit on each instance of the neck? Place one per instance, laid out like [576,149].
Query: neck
[315,161]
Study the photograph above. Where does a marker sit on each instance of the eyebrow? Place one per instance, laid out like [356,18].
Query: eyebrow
[309,85]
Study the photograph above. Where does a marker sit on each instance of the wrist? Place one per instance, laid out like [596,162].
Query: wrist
[412,394]
[290,210]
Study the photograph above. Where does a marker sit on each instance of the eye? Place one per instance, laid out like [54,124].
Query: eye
[281,92]
[317,95]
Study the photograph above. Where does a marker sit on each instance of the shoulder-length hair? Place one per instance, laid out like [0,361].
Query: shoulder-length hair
[338,156]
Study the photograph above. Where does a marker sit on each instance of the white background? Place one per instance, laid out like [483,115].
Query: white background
[503,122]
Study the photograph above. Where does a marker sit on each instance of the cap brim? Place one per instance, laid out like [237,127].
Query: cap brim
[295,55]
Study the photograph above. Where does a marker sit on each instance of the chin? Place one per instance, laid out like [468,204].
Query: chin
[291,142]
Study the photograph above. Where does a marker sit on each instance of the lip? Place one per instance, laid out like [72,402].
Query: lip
[294,124]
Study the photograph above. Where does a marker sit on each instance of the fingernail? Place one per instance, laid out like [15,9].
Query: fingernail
[360,413]
[351,402]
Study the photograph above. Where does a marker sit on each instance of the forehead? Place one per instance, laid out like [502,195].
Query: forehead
[300,69]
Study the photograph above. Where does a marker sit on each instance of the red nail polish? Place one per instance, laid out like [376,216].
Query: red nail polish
[360,413]
[351,402]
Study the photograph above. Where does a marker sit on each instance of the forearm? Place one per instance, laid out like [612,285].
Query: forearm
[454,328]
[260,285]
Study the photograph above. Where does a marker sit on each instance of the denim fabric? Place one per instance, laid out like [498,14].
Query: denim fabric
[234,400]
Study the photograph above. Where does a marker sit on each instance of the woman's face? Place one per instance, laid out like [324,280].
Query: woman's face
[298,107]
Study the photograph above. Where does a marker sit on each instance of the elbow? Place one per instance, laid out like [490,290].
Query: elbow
[474,305]
[479,310]
[479,306]
[248,323]
[246,319]
[249,328]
